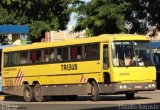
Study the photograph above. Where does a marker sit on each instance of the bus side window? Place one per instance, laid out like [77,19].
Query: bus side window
[24,59]
[79,52]
[33,56]
[39,56]
[59,54]
[76,52]
[65,53]
[73,53]
[95,51]
[105,57]
[88,51]
[6,59]
[17,57]
[12,58]
[52,54]
[46,55]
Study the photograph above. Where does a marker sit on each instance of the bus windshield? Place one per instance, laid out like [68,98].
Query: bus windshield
[132,53]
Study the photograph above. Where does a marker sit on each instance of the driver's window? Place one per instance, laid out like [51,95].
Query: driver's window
[105,57]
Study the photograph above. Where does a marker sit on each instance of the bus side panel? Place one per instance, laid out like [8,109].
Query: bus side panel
[60,78]
[14,90]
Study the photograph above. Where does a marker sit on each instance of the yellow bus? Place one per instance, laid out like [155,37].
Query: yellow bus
[101,65]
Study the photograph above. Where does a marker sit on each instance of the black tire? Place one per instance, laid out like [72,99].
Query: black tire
[129,96]
[28,94]
[95,91]
[38,93]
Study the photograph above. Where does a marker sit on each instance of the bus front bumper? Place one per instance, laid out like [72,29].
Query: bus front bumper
[126,87]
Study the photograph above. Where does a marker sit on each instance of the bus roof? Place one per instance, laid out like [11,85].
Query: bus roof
[100,38]
[4,46]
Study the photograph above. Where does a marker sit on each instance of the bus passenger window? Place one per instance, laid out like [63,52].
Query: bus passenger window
[17,57]
[52,55]
[39,56]
[105,57]
[24,59]
[46,55]
[59,54]
[6,59]
[76,53]
[88,51]
[65,53]
[79,52]
[12,58]
[95,51]
[73,53]
[33,56]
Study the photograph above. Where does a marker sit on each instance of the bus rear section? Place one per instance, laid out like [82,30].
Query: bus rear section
[130,68]
[1,47]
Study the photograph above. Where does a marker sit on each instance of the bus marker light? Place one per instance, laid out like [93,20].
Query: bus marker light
[125,86]
[120,86]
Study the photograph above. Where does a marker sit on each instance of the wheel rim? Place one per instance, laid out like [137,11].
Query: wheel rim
[37,92]
[92,91]
[27,93]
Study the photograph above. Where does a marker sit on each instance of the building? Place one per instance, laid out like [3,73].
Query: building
[62,35]
[13,34]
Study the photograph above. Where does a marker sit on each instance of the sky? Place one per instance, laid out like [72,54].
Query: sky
[73,19]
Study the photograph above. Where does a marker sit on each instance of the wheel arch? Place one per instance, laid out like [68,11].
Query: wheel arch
[89,82]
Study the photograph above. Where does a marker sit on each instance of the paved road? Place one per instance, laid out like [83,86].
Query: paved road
[143,101]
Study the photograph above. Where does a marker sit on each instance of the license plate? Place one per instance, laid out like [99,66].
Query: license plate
[138,87]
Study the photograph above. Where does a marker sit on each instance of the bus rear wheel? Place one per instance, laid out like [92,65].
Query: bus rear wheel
[129,96]
[28,94]
[95,91]
[38,93]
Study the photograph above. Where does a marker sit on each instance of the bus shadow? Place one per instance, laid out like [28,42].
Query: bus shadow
[13,98]
[78,98]
[88,98]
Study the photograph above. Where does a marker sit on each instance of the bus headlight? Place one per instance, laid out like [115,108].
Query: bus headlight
[153,85]
[120,86]
[125,86]
[150,85]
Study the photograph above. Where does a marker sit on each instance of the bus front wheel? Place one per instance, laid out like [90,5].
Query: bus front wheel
[129,96]
[28,94]
[38,93]
[95,91]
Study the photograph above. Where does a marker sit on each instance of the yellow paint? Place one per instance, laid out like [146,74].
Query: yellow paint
[48,74]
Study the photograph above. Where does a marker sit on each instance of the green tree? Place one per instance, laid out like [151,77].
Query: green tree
[137,16]
[40,15]
[142,14]
[101,16]
[116,16]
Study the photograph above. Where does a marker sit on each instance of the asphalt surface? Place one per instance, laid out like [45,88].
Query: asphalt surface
[143,101]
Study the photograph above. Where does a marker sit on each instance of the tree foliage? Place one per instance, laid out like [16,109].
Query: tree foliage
[101,16]
[40,15]
[96,16]
[142,15]
[116,16]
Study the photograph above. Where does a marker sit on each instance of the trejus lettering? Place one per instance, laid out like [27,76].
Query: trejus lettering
[69,67]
